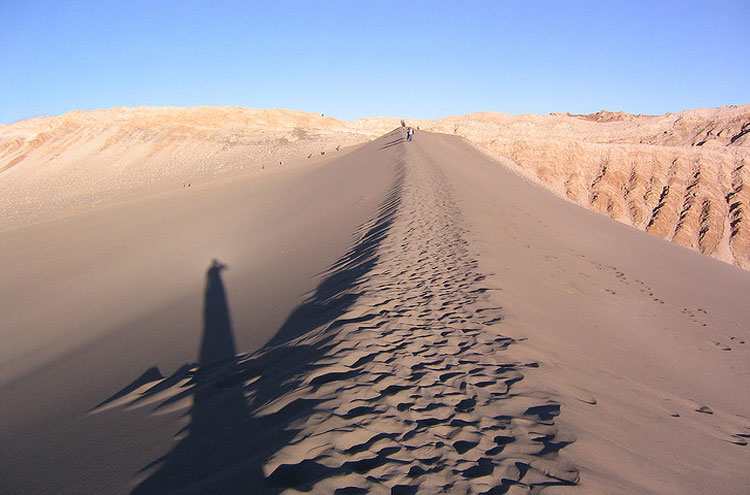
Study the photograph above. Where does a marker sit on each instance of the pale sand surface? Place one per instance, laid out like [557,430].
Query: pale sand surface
[407,318]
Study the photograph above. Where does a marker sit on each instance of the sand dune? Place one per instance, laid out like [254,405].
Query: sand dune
[394,318]
[678,176]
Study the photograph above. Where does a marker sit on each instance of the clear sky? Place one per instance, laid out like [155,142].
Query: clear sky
[350,59]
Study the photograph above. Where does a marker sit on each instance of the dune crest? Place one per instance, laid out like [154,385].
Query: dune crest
[387,378]
[406,317]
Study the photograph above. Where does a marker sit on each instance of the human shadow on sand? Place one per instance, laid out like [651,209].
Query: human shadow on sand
[218,436]
[232,431]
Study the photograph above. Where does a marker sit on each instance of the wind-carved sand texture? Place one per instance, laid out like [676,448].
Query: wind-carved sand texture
[393,377]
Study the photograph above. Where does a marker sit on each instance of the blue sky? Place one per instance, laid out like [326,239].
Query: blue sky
[355,59]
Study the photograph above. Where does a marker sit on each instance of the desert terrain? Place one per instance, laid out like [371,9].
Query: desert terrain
[678,176]
[225,300]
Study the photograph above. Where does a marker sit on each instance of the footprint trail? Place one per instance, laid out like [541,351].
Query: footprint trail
[393,377]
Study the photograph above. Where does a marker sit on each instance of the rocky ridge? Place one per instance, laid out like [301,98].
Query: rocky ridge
[678,176]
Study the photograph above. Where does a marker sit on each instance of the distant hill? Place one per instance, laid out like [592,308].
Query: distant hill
[679,176]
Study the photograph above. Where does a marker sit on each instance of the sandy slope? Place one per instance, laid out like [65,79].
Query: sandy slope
[472,334]
[92,300]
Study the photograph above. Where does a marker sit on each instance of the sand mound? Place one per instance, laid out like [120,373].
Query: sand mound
[407,317]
